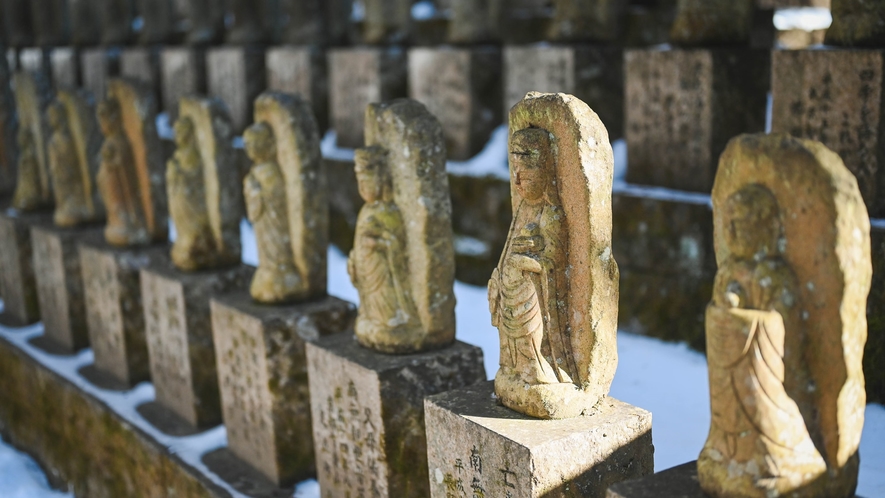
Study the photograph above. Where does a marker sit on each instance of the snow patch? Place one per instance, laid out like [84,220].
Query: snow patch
[804,18]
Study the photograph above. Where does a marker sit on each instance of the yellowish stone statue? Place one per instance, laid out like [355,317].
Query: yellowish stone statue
[786,322]
[33,189]
[27,188]
[554,295]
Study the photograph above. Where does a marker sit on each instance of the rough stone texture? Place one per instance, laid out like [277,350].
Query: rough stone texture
[471,21]
[462,88]
[253,22]
[204,21]
[387,21]
[60,284]
[98,65]
[35,60]
[85,22]
[17,23]
[592,73]
[17,283]
[142,64]
[477,445]
[357,78]
[262,372]
[302,71]
[835,97]
[677,482]
[8,131]
[51,22]
[178,330]
[116,22]
[368,413]
[114,311]
[682,107]
[588,20]
[65,67]
[712,22]
[525,21]
[183,73]
[406,285]
[81,443]
[158,18]
[287,200]
[242,477]
[857,23]
[811,342]
[236,76]
[33,190]
[315,22]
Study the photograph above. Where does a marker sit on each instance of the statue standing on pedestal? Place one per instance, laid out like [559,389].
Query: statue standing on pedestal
[33,95]
[116,181]
[27,188]
[187,200]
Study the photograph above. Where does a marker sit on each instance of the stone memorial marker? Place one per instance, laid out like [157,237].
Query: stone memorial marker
[387,21]
[65,65]
[302,71]
[475,21]
[682,107]
[236,76]
[462,87]
[8,128]
[358,77]
[142,64]
[116,22]
[554,299]
[712,22]
[857,23]
[73,154]
[85,22]
[787,322]
[17,23]
[33,194]
[183,73]
[524,21]
[367,406]
[98,65]
[51,22]
[131,183]
[835,97]
[204,22]
[35,60]
[588,20]
[260,338]
[252,20]
[206,205]
[592,73]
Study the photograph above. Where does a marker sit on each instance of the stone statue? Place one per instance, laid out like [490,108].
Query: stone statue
[130,177]
[32,98]
[73,158]
[286,200]
[403,262]
[554,295]
[786,318]
[27,188]
[205,199]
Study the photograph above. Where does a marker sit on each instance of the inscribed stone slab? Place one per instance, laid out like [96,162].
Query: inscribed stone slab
[368,413]
[262,374]
[183,73]
[236,76]
[17,283]
[481,447]
[65,62]
[302,71]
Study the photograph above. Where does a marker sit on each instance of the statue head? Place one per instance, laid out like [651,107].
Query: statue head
[184,131]
[531,163]
[259,142]
[109,118]
[57,115]
[373,173]
[753,226]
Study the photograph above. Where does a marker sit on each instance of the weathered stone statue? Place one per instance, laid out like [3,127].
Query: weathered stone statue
[403,261]
[286,200]
[73,158]
[554,294]
[27,188]
[786,322]
[202,187]
[32,97]
[129,176]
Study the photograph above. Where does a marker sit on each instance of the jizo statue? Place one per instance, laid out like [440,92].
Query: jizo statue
[117,182]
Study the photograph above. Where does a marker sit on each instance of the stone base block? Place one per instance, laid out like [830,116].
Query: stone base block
[358,77]
[368,413]
[18,285]
[476,445]
[60,284]
[114,312]
[461,87]
[679,482]
[682,108]
[236,76]
[183,72]
[142,64]
[262,374]
[178,329]
[65,63]
[301,70]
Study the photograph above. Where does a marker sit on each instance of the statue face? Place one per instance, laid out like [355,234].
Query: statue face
[529,160]
[259,143]
[752,223]
[370,164]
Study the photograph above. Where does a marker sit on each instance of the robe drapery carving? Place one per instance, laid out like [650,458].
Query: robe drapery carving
[33,189]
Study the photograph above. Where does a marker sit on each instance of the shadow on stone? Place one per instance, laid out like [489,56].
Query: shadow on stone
[166,421]
[101,379]
[7,320]
[241,476]
[48,345]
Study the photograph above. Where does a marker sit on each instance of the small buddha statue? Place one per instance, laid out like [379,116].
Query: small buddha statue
[27,188]
[71,205]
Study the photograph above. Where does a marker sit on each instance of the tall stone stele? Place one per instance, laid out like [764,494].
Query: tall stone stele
[554,294]
[787,324]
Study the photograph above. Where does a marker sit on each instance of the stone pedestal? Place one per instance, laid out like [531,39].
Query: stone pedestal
[183,73]
[682,108]
[593,73]
[358,77]
[368,413]
[679,482]
[65,67]
[475,445]
[35,60]
[98,65]
[462,88]
[114,312]
[262,374]
[142,64]
[17,283]
[178,328]
[60,284]
[836,97]
[301,70]
[236,76]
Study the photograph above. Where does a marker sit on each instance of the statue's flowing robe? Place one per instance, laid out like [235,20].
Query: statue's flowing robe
[187,207]
[119,191]
[70,202]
